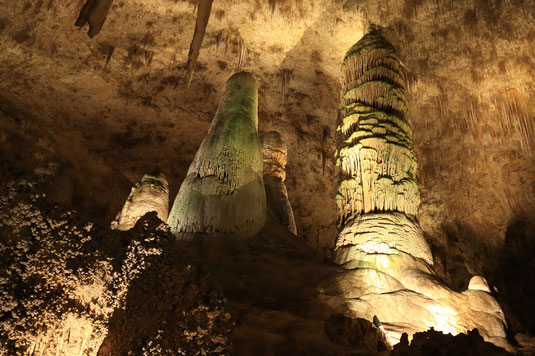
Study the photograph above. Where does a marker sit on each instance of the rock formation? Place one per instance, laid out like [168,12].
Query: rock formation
[150,194]
[223,191]
[66,283]
[389,264]
[275,155]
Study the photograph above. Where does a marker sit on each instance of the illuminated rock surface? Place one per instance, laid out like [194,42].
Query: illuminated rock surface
[224,191]
[150,194]
[275,155]
[63,282]
[112,107]
[378,200]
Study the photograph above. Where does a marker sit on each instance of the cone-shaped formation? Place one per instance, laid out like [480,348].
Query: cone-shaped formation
[375,151]
[275,155]
[223,191]
[150,194]
[389,266]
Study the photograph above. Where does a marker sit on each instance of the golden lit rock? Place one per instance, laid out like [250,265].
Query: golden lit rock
[150,194]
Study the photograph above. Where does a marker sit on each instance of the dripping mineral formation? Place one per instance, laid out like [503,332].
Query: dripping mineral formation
[275,155]
[224,191]
[388,261]
[150,194]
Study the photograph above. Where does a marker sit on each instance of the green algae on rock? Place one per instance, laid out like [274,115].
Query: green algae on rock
[224,190]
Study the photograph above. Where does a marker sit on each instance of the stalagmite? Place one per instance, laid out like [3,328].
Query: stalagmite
[223,191]
[150,194]
[275,155]
[389,265]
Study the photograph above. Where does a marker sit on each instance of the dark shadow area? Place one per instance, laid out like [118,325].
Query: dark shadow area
[514,276]
[435,343]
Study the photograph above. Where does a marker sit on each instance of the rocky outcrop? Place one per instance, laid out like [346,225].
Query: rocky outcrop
[150,194]
[64,281]
[389,263]
[275,155]
[223,191]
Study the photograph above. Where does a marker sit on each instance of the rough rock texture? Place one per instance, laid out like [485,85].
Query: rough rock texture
[150,194]
[379,232]
[62,280]
[170,309]
[436,343]
[93,102]
[224,191]
[275,154]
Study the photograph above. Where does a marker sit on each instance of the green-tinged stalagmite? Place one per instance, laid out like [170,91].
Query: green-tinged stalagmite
[223,191]
[388,264]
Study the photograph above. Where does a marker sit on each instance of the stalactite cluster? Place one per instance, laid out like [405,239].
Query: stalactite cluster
[375,151]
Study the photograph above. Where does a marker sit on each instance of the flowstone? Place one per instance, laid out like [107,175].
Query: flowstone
[389,265]
[223,191]
[275,155]
[150,194]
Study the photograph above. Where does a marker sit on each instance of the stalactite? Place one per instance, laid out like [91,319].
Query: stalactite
[224,191]
[203,15]
[94,14]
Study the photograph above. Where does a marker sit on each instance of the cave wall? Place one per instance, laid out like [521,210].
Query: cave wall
[116,106]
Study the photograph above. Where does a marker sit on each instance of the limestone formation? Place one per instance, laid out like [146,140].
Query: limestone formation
[275,155]
[479,283]
[150,194]
[375,151]
[66,286]
[223,191]
[389,263]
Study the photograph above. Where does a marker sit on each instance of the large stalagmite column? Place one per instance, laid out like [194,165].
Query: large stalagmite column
[377,194]
[150,194]
[275,155]
[223,191]
[388,264]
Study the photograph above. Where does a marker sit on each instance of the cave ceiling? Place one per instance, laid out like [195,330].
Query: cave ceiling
[123,103]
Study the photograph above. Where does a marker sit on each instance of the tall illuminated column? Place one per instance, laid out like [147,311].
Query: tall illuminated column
[388,264]
[377,194]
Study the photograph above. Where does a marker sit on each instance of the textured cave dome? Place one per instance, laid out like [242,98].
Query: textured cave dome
[97,113]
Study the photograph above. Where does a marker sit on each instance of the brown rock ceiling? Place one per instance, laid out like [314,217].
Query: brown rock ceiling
[116,106]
